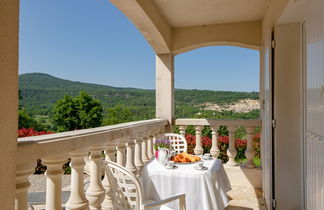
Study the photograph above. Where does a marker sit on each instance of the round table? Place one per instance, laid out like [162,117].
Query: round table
[205,190]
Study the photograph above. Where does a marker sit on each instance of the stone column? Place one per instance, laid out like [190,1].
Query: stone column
[9,29]
[150,147]
[54,174]
[108,202]
[138,156]
[165,87]
[145,157]
[77,200]
[121,154]
[249,152]
[198,149]
[96,192]
[130,157]
[231,151]
[214,151]
[23,171]
[182,129]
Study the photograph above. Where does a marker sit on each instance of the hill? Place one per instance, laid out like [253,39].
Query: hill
[40,91]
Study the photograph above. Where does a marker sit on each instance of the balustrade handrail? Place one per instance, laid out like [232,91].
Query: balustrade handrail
[217,122]
[37,147]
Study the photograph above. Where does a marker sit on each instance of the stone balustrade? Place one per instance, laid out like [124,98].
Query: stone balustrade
[232,125]
[129,144]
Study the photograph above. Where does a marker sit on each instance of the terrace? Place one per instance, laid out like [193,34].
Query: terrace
[130,145]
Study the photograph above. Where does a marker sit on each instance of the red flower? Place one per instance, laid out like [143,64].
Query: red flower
[24,132]
[223,139]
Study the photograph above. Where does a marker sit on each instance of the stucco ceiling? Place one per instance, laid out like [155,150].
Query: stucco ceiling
[181,13]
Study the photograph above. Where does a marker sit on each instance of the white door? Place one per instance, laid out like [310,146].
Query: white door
[266,97]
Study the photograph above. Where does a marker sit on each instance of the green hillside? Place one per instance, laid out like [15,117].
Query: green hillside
[40,91]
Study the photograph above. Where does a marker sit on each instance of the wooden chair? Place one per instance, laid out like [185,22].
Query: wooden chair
[178,142]
[127,191]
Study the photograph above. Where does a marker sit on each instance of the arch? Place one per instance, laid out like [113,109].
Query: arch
[208,44]
[242,34]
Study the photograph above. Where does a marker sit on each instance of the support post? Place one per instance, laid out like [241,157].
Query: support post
[121,154]
[198,149]
[96,192]
[165,88]
[231,151]
[9,25]
[54,174]
[182,129]
[249,152]
[77,200]
[214,151]
[23,171]
[108,202]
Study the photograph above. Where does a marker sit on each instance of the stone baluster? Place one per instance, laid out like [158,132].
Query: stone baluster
[198,149]
[214,151]
[77,200]
[138,156]
[249,152]
[95,193]
[150,146]
[23,171]
[182,130]
[130,157]
[121,154]
[145,157]
[231,151]
[108,203]
[54,174]
[156,134]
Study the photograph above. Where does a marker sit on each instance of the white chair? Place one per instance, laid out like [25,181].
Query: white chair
[127,191]
[178,142]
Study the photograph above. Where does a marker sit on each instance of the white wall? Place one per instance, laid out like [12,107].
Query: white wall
[315,105]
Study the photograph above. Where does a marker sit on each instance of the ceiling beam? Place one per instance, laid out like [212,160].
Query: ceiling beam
[146,17]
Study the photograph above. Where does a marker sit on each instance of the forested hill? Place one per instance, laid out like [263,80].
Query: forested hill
[40,91]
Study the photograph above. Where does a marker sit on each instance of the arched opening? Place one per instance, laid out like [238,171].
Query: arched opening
[225,80]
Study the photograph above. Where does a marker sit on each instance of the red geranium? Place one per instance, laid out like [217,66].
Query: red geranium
[24,132]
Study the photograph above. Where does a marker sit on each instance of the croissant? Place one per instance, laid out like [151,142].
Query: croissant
[185,158]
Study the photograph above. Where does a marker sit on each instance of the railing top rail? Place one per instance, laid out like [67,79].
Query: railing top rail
[35,147]
[218,122]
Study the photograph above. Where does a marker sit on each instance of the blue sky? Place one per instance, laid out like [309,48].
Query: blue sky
[92,41]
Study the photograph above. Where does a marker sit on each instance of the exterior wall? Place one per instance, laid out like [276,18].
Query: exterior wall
[8,100]
[288,157]
[315,105]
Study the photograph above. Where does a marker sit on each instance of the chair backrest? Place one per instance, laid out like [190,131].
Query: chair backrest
[125,187]
[178,142]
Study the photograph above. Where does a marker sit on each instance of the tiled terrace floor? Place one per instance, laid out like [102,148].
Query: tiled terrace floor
[245,198]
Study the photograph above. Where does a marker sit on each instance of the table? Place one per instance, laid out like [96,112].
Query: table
[205,190]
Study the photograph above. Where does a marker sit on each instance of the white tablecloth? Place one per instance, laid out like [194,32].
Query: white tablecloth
[205,190]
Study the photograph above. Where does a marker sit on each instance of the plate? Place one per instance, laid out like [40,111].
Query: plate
[207,158]
[188,163]
[174,167]
[201,169]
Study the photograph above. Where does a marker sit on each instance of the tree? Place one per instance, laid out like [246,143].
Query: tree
[118,114]
[82,111]
[26,121]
